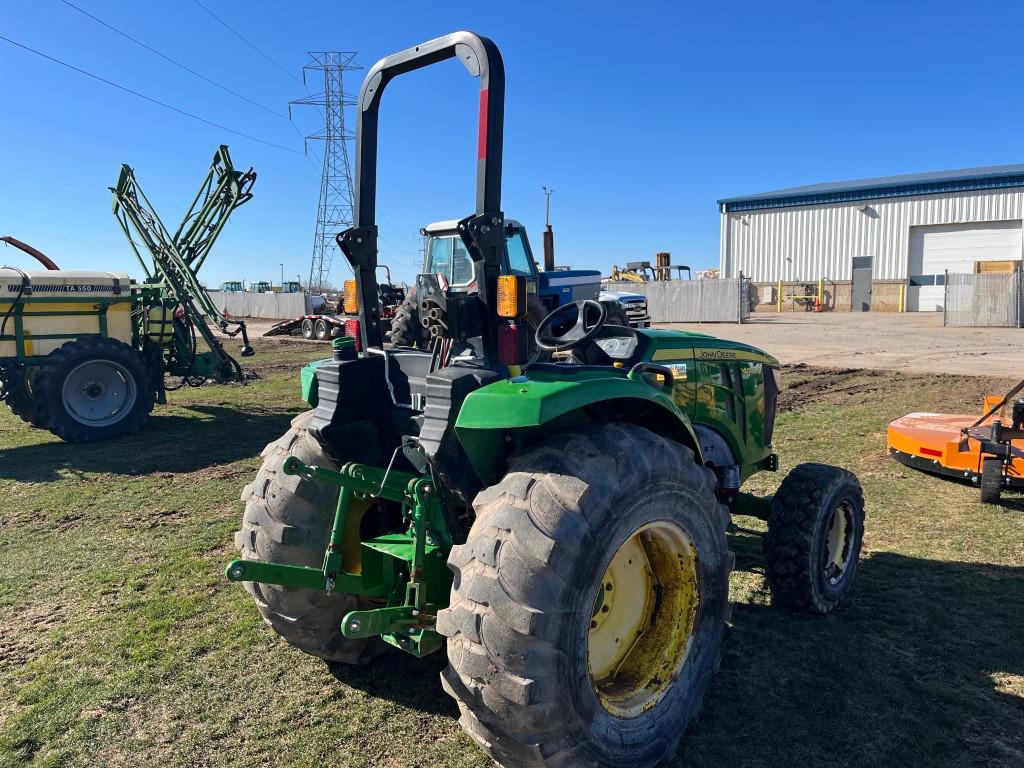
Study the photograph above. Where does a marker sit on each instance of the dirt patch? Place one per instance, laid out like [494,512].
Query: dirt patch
[23,633]
[913,342]
[220,472]
[157,518]
[806,385]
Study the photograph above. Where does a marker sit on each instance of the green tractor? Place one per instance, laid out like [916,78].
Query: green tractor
[559,526]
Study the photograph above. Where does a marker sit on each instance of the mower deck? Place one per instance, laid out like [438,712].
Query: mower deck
[936,443]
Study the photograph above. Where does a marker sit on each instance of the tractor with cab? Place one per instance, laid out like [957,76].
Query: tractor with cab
[445,254]
[549,505]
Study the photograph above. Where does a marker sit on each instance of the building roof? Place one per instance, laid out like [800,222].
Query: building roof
[936,182]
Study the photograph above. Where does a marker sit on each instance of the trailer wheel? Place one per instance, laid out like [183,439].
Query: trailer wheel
[991,480]
[307,329]
[589,602]
[16,389]
[93,388]
[321,330]
[288,520]
[815,530]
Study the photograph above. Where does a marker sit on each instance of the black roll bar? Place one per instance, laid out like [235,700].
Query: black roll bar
[481,58]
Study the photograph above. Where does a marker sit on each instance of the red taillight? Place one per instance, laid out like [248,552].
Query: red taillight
[512,341]
[352,329]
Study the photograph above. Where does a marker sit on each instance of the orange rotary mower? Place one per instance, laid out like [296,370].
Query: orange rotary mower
[984,451]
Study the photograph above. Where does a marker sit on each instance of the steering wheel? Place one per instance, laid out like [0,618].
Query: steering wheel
[571,326]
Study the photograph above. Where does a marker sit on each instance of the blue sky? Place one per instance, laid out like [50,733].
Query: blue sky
[640,116]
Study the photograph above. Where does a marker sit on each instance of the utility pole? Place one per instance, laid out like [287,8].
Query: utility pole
[334,213]
[282,276]
[549,235]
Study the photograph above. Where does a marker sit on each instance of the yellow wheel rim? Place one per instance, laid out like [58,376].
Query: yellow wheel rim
[837,552]
[645,612]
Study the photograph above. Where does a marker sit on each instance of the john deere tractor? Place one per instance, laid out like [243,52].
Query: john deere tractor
[557,527]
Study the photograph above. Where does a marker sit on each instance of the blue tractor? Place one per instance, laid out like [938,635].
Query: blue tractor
[445,255]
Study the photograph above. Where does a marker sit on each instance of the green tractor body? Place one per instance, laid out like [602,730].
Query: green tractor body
[549,506]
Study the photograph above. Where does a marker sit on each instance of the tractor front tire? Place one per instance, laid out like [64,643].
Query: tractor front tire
[93,388]
[991,480]
[288,520]
[815,530]
[589,602]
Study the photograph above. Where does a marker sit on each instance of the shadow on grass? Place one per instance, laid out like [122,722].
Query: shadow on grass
[167,443]
[924,665]
[403,679]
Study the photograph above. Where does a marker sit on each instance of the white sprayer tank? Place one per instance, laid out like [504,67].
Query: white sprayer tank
[46,291]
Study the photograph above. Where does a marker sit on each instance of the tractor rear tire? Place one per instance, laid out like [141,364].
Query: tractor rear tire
[288,520]
[93,388]
[18,395]
[991,480]
[532,602]
[406,330]
[815,531]
[307,329]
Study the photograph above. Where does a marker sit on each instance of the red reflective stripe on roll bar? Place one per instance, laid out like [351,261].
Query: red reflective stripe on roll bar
[481,146]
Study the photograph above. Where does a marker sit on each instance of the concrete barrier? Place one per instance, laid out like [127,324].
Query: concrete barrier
[272,306]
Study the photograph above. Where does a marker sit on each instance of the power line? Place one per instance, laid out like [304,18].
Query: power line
[148,98]
[238,34]
[188,69]
[175,62]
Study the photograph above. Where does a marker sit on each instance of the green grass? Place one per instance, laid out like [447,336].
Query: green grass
[122,644]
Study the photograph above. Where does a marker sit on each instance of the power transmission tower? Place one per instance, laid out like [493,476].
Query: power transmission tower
[334,213]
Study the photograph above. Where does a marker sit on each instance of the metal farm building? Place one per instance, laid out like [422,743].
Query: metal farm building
[876,242]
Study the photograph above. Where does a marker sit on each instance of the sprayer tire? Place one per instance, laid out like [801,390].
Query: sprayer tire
[18,395]
[288,519]
[55,393]
[523,599]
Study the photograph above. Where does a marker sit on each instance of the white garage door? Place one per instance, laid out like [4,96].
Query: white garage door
[935,250]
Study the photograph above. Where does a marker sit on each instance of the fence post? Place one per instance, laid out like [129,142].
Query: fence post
[739,306]
[1020,299]
[945,300]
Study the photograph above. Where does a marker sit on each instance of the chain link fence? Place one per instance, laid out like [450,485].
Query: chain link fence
[983,300]
[693,301]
